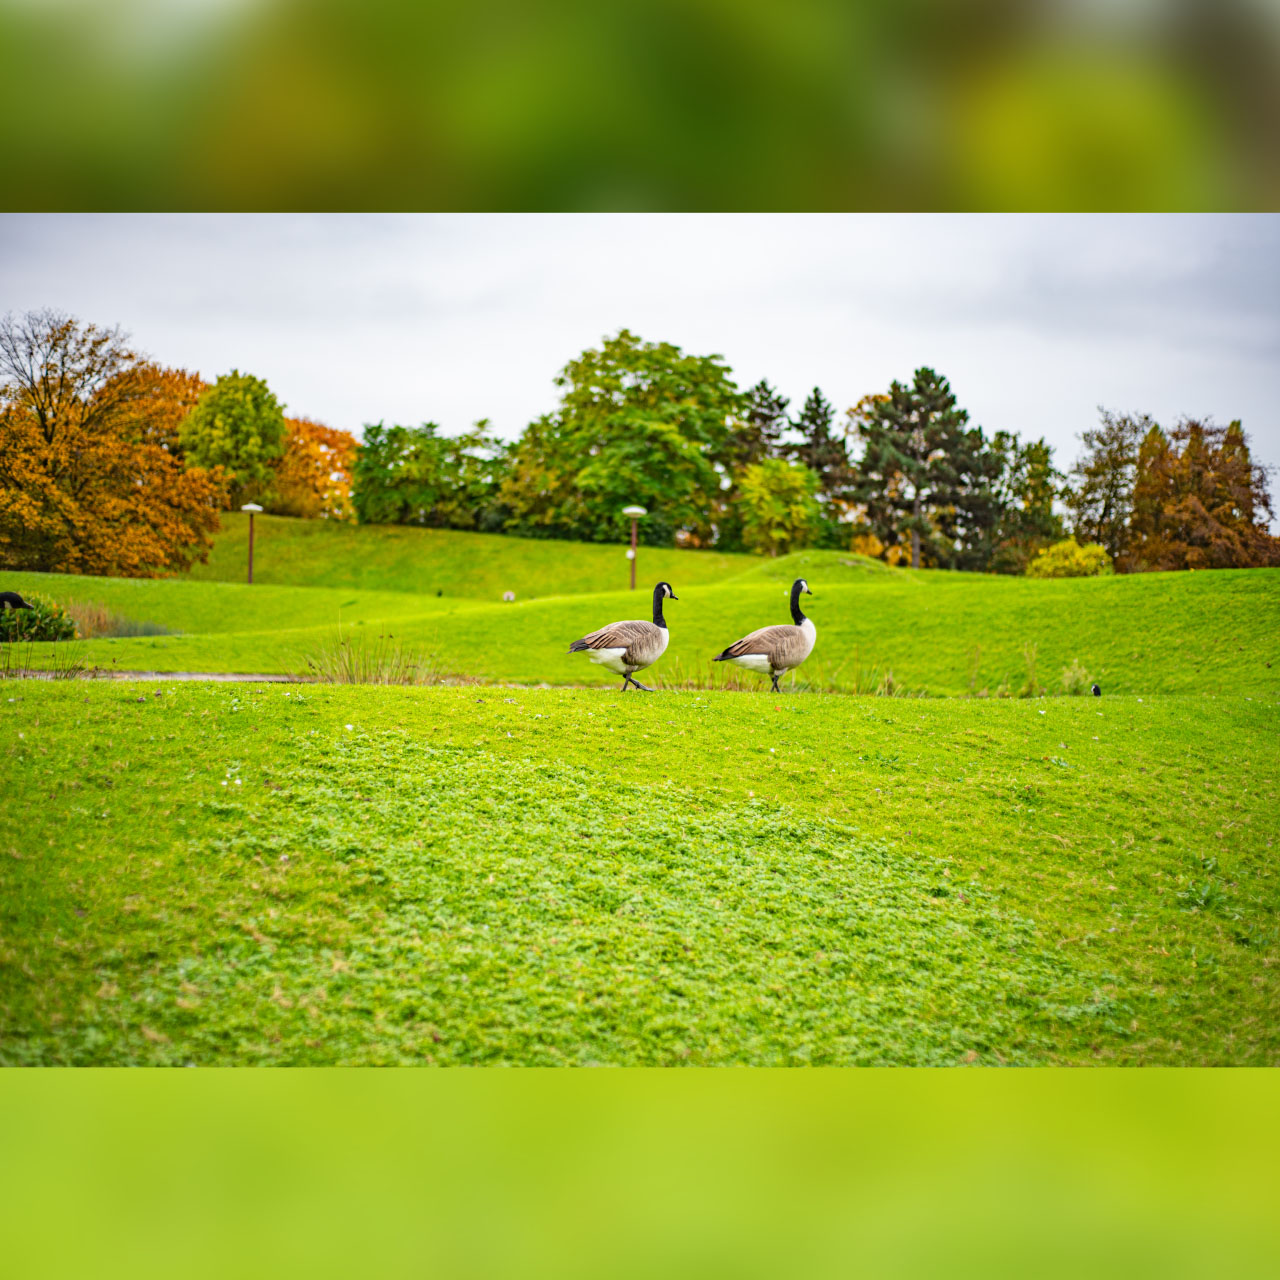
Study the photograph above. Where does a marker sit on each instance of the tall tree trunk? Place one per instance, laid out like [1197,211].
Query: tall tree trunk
[915,533]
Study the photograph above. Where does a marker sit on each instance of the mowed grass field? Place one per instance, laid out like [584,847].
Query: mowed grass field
[206,874]
[327,553]
[258,873]
[937,633]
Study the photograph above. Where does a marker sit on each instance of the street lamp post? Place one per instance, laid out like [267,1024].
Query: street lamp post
[635,513]
[252,508]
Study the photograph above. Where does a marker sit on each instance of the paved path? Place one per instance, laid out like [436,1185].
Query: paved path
[223,677]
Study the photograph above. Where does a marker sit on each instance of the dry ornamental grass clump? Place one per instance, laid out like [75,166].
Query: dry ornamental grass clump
[347,658]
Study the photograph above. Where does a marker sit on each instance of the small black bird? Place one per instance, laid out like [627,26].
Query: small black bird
[12,600]
[1097,691]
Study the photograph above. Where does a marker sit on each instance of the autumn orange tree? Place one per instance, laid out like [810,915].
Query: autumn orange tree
[90,480]
[1199,501]
[313,476]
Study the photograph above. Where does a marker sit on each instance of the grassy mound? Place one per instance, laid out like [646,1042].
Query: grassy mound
[326,553]
[213,875]
[937,633]
[820,566]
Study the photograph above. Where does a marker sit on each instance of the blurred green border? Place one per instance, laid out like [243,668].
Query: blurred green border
[677,104]
[742,1173]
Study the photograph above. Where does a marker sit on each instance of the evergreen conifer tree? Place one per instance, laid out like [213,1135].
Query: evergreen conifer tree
[758,433]
[923,476]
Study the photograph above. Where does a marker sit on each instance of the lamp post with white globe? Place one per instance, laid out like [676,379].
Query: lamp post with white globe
[252,508]
[635,513]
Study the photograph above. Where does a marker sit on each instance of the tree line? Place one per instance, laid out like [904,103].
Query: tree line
[110,463]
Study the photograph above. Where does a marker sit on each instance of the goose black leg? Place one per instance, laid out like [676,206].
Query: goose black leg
[624,683]
[638,685]
[775,685]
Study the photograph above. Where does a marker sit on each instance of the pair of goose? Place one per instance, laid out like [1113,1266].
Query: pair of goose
[628,647]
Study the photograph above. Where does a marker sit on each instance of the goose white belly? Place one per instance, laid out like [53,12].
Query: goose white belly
[763,663]
[754,662]
[614,658]
[609,658]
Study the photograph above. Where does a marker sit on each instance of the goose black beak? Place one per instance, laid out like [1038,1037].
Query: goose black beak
[674,596]
[807,591]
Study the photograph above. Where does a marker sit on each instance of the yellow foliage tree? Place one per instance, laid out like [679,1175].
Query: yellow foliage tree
[313,478]
[89,478]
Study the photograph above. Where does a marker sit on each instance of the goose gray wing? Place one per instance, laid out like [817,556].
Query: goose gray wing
[640,640]
[777,642]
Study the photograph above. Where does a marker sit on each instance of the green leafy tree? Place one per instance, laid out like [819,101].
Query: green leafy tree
[414,475]
[777,506]
[1100,499]
[925,476]
[238,425]
[638,422]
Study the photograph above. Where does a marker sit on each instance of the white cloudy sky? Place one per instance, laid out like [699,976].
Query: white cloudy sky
[354,319]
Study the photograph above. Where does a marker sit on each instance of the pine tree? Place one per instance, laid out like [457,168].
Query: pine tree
[757,435]
[822,452]
[923,474]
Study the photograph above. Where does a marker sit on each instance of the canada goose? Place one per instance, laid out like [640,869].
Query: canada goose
[12,600]
[626,647]
[774,650]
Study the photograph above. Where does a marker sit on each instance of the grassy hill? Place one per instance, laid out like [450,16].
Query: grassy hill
[938,633]
[204,874]
[198,873]
[326,553]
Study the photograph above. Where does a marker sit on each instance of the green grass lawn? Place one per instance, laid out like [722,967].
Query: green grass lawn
[262,874]
[253,874]
[938,633]
[328,553]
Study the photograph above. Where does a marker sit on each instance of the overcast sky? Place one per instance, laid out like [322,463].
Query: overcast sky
[1036,320]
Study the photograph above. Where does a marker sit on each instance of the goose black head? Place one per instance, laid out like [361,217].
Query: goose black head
[798,586]
[12,600]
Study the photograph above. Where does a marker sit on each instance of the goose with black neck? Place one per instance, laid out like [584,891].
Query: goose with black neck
[773,651]
[627,647]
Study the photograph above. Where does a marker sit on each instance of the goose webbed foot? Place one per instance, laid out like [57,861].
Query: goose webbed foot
[637,683]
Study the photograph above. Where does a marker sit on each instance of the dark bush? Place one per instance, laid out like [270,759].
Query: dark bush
[43,621]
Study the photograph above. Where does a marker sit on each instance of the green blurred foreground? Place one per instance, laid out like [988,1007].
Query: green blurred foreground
[694,104]
[750,1175]
[257,874]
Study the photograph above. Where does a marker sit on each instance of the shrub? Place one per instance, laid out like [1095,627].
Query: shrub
[43,621]
[1069,559]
